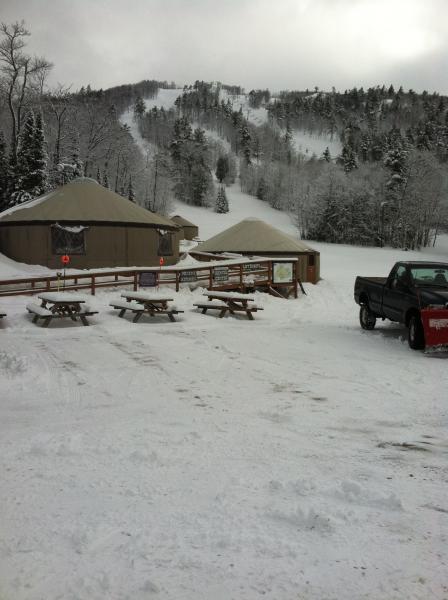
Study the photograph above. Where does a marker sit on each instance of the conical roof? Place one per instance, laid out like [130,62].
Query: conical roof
[253,236]
[181,221]
[83,200]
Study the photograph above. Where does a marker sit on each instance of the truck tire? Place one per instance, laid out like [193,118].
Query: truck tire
[367,318]
[416,335]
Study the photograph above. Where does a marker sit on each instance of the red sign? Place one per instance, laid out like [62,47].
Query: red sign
[161,261]
[65,259]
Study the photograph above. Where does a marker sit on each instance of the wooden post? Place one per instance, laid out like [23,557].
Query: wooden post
[295,279]
[135,281]
[48,284]
[177,281]
[210,278]
[93,285]
[241,278]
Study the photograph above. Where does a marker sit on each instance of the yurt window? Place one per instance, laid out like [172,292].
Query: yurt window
[68,240]
[165,243]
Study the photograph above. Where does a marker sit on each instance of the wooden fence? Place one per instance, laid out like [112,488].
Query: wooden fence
[244,275]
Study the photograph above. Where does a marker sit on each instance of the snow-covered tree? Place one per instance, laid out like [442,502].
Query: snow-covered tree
[139,107]
[222,204]
[222,168]
[30,175]
[3,172]
[131,193]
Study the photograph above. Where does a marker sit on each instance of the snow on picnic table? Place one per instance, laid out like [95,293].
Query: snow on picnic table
[293,456]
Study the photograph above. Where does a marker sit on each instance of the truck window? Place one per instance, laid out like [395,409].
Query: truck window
[400,277]
[430,275]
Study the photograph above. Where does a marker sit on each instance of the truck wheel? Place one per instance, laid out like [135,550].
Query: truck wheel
[367,318]
[416,335]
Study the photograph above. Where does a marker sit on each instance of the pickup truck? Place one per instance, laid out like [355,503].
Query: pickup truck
[410,288]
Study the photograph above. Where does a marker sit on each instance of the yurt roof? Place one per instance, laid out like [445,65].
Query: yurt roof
[254,236]
[181,221]
[83,200]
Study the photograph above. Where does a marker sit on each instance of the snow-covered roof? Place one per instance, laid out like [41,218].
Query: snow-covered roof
[255,236]
[84,201]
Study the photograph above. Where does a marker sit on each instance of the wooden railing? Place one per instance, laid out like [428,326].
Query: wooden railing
[238,276]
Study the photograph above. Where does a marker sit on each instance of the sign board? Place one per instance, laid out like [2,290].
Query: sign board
[148,279]
[221,274]
[282,272]
[253,267]
[187,276]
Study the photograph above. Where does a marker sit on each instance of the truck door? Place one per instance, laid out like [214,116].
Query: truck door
[396,293]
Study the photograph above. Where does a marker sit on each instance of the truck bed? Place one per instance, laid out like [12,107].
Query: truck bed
[380,280]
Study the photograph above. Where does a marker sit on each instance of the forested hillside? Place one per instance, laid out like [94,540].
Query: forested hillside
[387,186]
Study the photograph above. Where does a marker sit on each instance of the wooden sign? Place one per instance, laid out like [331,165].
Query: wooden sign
[221,274]
[148,279]
[187,276]
[253,267]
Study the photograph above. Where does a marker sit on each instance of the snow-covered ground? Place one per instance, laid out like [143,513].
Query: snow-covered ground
[308,144]
[295,456]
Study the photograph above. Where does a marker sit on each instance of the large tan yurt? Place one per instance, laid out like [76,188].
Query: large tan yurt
[93,225]
[253,237]
[190,230]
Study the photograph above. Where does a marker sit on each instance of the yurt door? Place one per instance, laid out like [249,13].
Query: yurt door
[311,269]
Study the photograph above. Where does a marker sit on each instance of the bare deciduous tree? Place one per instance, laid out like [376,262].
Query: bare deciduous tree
[21,74]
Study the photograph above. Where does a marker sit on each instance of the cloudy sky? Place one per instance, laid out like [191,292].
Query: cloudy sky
[279,44]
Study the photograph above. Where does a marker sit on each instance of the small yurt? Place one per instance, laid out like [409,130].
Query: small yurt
[253,237]
[92,224]
[190,230]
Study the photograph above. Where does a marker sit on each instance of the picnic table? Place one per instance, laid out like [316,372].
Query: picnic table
[231,302]
[141,303]
[56,305]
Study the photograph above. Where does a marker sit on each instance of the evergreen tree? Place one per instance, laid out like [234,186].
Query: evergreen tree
[245,144]
[105,181]
[348,159]
[222,168]
[139,107]
[38,174]
[3,173]
[24,156]
[222,205]
[326,155]
[262,189]
[98,175]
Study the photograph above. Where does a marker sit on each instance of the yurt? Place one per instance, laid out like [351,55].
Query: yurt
[253,237]
[190,230]
[93,225]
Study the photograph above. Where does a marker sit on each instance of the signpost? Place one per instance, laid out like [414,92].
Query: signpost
[220,274]
[65,260]
[148,279]
[282,272]
[252,267]
[188,276]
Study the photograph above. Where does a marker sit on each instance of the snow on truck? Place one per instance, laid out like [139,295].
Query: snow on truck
[415,294]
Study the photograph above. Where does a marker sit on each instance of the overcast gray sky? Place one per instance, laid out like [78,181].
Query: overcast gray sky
[279,44]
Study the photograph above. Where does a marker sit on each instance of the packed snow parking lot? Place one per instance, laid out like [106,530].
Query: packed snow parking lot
[295,456]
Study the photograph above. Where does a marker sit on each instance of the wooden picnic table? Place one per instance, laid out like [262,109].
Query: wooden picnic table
[146,303]
[59,305]
[231,302]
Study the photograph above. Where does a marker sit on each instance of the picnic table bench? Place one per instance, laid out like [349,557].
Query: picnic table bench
[145,303]
[59,305]
[2,315]
[228,302]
